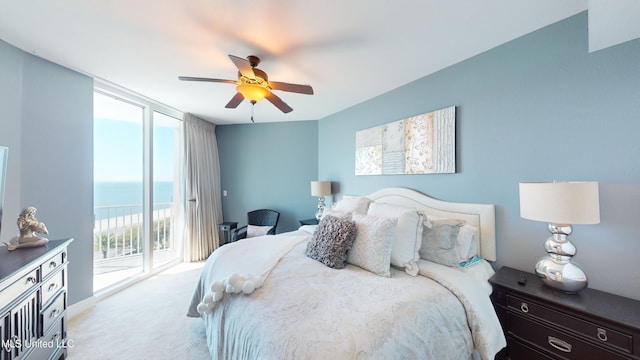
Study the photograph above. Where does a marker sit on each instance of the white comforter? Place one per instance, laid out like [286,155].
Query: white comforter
[306,310]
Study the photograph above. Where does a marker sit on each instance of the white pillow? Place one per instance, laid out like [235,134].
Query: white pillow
[336,213]
[466,243]
[372,248]
[255,230]
[353,204]
[408,235]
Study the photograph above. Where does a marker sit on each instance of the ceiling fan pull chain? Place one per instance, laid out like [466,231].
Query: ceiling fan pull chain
[252,107]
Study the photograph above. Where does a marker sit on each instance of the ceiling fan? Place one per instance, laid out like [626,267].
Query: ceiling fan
[253,85]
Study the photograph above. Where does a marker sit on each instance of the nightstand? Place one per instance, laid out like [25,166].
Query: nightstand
[313,221]
[224,231]
[543,323]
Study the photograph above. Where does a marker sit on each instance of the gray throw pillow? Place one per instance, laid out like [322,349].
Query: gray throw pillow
[439,242]
[331,241]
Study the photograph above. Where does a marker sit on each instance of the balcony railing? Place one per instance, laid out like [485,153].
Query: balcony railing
[118,230]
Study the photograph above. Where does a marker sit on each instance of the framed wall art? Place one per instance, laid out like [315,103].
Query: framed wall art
[421,144]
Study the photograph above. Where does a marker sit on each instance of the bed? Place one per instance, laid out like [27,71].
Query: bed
[411,285]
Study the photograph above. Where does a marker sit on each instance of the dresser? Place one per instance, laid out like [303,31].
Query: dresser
[543,323]
[33,302]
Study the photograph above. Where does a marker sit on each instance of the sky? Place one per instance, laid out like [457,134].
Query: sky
[118,142]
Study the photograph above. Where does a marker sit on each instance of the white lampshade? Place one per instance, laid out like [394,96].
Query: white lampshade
[560,202]
[320,188]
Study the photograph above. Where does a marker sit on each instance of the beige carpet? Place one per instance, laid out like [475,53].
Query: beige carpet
[145,321]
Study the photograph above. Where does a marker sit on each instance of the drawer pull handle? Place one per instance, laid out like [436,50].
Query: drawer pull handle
[54,313]
[559,344]
[52,265]
[52,287]
[602,334]
[524,307]
[32,280]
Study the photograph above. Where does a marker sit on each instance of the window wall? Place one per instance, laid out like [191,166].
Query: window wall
[137,187]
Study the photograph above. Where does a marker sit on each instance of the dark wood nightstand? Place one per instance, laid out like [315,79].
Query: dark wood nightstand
[313,221]
[543,323]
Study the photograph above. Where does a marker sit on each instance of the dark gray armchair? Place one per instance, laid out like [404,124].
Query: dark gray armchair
[262,217]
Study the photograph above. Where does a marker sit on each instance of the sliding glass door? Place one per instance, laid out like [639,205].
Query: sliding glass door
[167,188]
[137,191]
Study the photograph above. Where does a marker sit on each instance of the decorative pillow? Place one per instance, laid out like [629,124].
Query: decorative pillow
[255,230]
[408,234]
[372,248]
[331,241]
[466,243]
[353,204]
[439,241]
[336,213]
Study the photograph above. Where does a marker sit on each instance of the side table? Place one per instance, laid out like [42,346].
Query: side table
[224,231]
[313,221]
[543,323]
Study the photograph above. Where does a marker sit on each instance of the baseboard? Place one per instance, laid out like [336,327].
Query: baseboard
[80,306]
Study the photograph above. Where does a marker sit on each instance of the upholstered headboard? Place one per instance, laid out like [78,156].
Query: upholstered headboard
[480,215]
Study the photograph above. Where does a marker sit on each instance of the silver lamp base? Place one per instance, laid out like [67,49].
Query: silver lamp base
[566,277]
[556,270]
[321,207]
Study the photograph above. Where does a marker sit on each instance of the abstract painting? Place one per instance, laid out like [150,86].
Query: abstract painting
[421,144]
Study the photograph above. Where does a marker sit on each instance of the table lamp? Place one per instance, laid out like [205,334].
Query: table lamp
[320,189]
[560,204]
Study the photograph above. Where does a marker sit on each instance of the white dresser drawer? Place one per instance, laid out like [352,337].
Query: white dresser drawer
[53,263]
[52,312]
[19,287]
[52,286]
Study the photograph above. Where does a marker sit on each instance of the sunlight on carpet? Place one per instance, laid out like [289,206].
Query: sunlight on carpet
[145,321]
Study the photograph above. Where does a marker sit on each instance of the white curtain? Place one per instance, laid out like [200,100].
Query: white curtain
[202,175]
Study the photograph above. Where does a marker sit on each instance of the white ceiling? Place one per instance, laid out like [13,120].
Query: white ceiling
[349,51]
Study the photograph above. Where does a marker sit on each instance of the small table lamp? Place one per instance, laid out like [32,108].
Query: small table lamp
[320,189]
[560,204]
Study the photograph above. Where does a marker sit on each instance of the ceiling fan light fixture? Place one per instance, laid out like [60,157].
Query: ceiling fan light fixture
[252,92]
[253,85]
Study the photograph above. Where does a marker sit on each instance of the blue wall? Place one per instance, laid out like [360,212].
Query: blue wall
[269,166]
[539,108]
[46,120]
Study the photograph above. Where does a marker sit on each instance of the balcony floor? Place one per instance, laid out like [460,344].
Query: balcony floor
[107,273]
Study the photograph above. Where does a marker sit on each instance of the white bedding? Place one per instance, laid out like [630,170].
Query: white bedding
[306,310]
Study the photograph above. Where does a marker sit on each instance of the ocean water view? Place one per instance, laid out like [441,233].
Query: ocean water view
[119,193]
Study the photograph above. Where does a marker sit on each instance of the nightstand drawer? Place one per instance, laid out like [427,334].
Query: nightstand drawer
[517,350]
[596,332]
[555,342]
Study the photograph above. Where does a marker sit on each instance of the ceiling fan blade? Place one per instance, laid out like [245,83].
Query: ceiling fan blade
[189,78]
[275,100]
[243,66]
[296,88]
[235,101]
